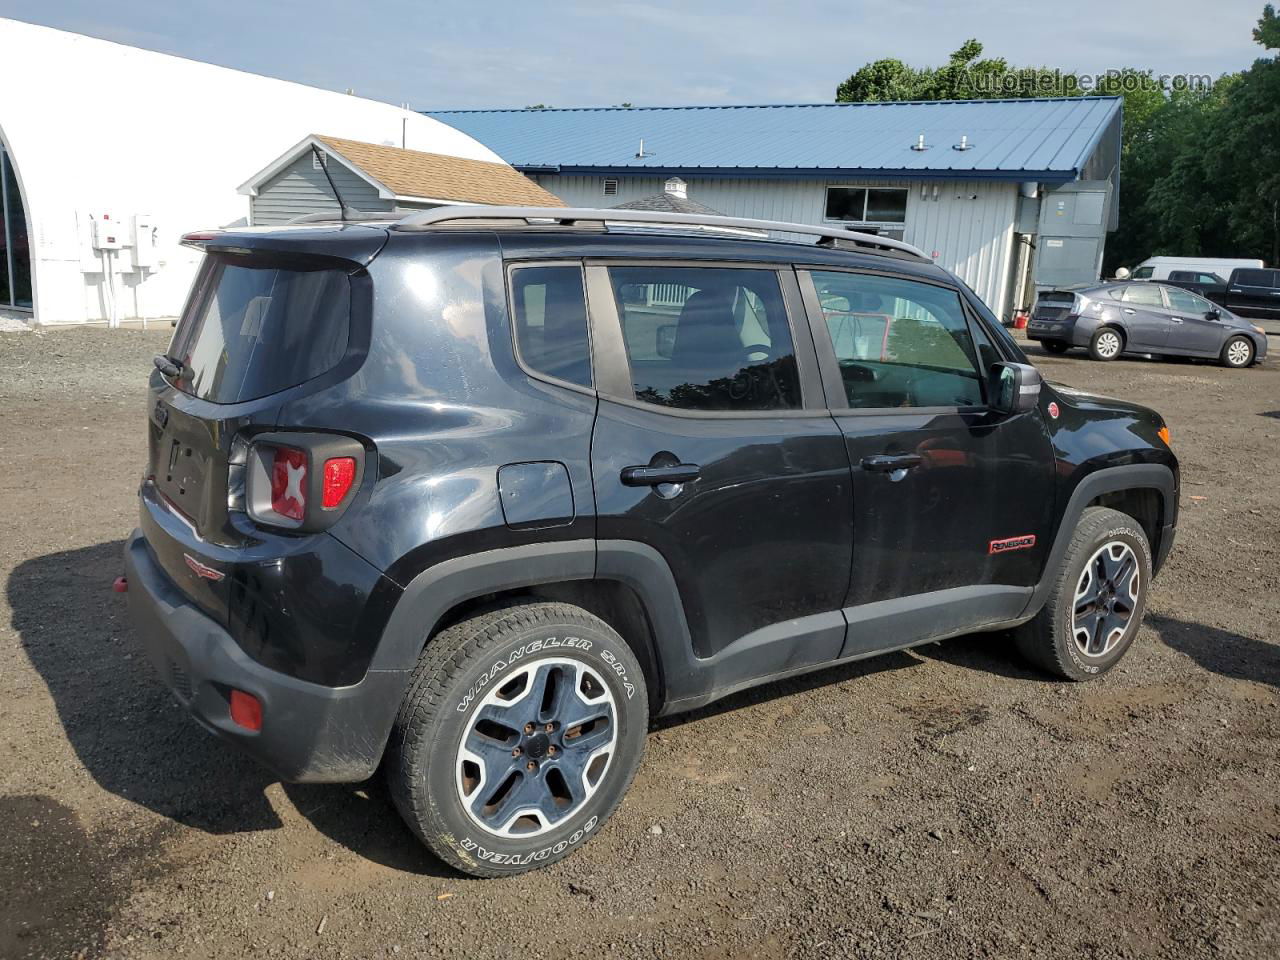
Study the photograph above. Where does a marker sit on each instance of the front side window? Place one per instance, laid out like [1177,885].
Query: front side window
[551,322]
[1187,302]
[1143,273]
[899,343]
[867,204]
[707,338]
[1145,294]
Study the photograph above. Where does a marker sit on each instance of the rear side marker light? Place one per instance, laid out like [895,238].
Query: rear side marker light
[246,710]
[289,483]
[1163,434]
[339,476]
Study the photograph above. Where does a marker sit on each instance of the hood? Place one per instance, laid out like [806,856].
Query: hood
[1097,402]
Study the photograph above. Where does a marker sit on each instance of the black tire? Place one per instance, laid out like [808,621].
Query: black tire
[1055,346]
[1107,343]
[1235,356]
[487,656]
[1049,641]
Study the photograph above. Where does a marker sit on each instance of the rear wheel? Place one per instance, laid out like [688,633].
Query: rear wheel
[1237,352]
[1056,346]
[1106,344]
[1096,603]
[521,731]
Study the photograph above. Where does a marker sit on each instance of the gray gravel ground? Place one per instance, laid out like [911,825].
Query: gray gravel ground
[947,802]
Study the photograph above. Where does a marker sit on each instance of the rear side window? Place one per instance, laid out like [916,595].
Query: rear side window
[707,338]
[899,343]
[254,328]
[551,322]
[1143,293]
[1253,278]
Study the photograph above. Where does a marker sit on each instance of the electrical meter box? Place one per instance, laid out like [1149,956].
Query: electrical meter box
[144,240]
[108,234]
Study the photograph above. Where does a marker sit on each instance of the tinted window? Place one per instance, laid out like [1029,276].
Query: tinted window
[1253,278]
[1143,273]
[1146,294]
[899,343]
[551,322]
[255,327]
[867,204]
[704,338]
[1186,302]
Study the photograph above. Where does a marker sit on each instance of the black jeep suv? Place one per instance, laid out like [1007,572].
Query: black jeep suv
[474,494]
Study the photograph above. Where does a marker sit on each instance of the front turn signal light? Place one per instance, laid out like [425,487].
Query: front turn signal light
[1163,434]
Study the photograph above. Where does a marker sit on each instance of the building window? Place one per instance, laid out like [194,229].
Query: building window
[15,249]
[875,205]
[611,188]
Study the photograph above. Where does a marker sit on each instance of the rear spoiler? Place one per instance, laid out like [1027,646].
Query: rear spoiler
[337,242]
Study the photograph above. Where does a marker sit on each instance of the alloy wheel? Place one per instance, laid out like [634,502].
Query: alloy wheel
[1238,353]
[1106,597]
[536,748]
[1108,344]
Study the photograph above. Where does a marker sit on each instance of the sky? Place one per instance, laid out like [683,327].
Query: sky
[649,52]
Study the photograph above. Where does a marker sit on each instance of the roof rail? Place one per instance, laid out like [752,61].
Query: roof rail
[571,216]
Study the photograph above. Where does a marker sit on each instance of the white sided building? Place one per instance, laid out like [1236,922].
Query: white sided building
[109,154]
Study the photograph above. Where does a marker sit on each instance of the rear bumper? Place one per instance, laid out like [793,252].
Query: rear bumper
[310,732]
[1063,330]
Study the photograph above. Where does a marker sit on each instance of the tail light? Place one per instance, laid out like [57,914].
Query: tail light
[301,482]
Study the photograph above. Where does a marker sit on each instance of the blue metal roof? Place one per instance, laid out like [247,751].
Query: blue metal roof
[1045,139]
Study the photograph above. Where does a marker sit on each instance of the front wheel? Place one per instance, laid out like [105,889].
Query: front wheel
[521,731]
[1237,352]
[1096,603]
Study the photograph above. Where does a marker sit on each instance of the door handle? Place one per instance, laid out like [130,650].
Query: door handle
[889,463]
[1176,319]
[654,476]
[1129,310]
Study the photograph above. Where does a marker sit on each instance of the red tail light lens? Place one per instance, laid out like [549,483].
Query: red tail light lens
[289,483]
[339,475]
[246,710]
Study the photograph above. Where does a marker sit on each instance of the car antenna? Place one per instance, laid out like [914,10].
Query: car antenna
[322,160]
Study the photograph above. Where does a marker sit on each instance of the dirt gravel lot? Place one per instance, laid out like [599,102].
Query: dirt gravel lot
[946,802]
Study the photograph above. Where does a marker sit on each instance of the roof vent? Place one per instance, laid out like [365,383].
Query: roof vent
[640,154]
[920,146]
[319,159]
[964,144]
[676,187]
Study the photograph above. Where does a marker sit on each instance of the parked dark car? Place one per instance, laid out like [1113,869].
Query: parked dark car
[473,495]
[1143,317]
[1249,292]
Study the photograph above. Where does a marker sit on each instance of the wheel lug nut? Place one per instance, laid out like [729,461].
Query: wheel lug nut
[549,727]
[528,728]
[551,750]
[516,752]
[531,766]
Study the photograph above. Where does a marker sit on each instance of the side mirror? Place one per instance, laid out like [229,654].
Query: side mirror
[1015,387]
[666,340]
[1213,314]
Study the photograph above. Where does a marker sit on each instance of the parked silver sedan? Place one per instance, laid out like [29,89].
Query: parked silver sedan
[1143,317]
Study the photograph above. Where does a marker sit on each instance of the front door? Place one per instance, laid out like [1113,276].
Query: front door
[1192,331]
[1255,293]
[712,445]
[951,500]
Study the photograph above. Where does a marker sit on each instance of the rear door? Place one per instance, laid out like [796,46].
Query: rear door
[951,499]
[1145,316]
[713,446]
[1254,293]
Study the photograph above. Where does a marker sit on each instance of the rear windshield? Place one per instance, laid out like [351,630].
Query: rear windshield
[256,327]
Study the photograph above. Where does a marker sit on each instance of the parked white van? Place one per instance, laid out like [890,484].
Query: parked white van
[1158,268]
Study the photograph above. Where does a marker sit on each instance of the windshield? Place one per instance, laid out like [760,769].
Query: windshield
[256,327]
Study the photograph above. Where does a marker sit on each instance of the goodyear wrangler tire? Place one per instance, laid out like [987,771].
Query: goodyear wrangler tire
[521,731]
[1096,603]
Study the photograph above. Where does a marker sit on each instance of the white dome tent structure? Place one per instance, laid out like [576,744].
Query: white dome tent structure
[109,154]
